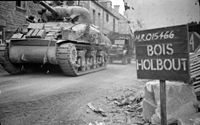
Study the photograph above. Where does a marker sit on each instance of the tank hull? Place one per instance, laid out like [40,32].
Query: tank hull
[33,54]
[73,58]
[77,49]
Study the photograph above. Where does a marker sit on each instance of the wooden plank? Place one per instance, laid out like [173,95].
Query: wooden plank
[194,74]
[163,112]
[35,32]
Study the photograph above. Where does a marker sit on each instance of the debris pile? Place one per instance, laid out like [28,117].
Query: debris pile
[130,105]
[121,108]
[97,123]
[182,105]
[1,69]
[142,107]
[97,109]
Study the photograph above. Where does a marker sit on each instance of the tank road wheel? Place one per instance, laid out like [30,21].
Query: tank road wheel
[100,58]
[79,63]
[81,60]
[106,59]
[88,63]
[90,59]
[67,58]
[9,66]
[93,59]
[110,60]
[124,60]
[98,61]
[129,60]
[93,63]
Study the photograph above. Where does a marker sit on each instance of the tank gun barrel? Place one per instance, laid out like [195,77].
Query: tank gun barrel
[49,8]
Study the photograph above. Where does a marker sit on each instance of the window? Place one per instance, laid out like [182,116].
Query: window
[78,2]
[21,4]
[1,38]
[107,17]
[70,3]
[2,35]
[18,3]
[113,24]
[99,19]
[94,17]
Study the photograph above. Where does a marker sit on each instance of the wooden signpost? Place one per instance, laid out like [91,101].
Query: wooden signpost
[163,54]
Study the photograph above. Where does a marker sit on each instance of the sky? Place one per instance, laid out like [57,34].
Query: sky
[119,2]
[161,13]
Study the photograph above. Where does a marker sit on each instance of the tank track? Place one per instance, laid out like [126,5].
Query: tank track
[67,60]
[8,65]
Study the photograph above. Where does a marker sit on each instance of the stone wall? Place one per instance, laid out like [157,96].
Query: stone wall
[15,16]
[98,15]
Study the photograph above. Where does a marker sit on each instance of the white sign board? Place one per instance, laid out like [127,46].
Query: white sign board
[119,41]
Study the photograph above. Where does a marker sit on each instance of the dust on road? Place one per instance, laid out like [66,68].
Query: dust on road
[54,99]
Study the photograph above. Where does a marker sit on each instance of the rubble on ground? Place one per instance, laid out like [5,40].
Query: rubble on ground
[1,69]
[131,106]
[142,107]
[181,103]
[124,109]
[97,123]
[96,110]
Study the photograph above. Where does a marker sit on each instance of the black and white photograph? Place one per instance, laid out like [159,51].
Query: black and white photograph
[100,62]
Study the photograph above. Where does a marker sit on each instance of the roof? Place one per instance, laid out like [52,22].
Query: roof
[2,21]
[109,10]
[120,16]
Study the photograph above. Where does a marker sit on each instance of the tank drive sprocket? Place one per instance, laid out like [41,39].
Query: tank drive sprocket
[9,66]
[67,56]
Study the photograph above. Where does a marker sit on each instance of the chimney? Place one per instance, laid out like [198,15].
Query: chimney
[109,4]
[116,8]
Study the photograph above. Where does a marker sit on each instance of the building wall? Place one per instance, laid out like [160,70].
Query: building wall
[15,16]
[98,17]
[109,23]
[121,25]
[96,13]
[124,27]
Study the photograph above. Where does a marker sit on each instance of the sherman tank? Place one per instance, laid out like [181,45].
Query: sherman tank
[63,37]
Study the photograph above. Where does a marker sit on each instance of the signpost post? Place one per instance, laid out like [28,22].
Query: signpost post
[163,113]
[163,54]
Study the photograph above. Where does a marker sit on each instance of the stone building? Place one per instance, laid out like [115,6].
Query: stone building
[102,15]
[13,14]
[108,19]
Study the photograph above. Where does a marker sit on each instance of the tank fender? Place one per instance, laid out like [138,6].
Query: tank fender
[60,41]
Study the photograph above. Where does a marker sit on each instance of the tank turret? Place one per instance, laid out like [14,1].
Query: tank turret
[60,12]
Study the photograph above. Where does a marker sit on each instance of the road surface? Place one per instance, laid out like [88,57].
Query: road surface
[54,99]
